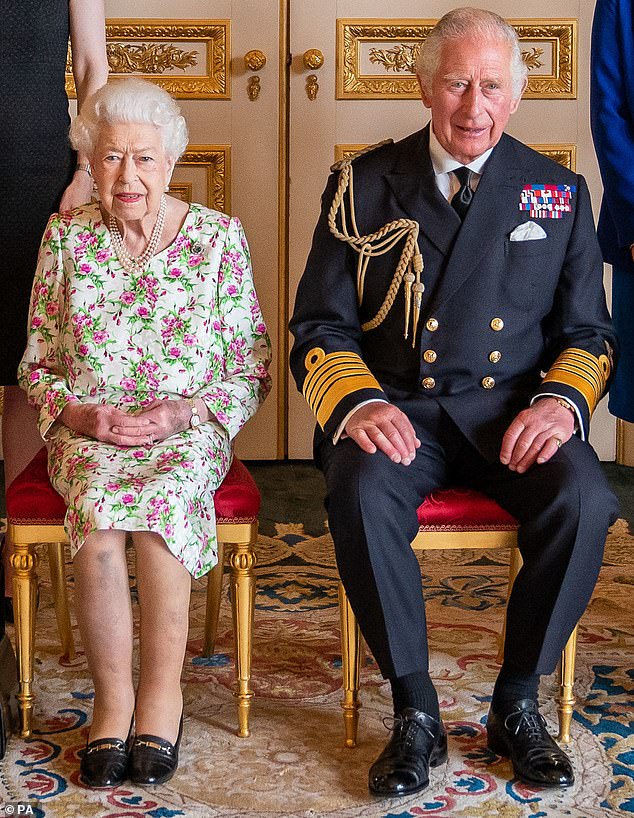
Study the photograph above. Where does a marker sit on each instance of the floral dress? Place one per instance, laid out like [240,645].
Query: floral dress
[189,326]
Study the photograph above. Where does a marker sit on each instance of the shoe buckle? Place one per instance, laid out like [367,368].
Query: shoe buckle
[141,742]
[106,745]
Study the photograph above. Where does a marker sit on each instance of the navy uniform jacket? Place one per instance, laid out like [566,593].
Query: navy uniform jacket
[501,322]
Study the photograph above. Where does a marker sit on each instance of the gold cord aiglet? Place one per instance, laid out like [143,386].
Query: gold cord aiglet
[410,265]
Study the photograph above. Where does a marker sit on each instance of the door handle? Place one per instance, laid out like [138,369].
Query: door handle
[313,60]
[254,60]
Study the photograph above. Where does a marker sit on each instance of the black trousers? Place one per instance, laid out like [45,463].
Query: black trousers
[564,508]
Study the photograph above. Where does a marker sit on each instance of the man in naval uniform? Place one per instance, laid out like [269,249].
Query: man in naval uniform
[451,328]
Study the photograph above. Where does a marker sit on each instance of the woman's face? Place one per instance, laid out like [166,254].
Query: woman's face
[131,170]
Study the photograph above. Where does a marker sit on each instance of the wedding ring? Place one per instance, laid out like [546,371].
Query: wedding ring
[151,438]
[558,441]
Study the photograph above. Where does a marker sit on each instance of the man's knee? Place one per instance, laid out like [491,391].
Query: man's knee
[570,491]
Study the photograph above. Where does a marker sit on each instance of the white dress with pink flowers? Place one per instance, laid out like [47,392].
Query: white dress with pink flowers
[189,326]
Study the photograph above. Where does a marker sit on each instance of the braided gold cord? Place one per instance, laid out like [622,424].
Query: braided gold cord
[410,265]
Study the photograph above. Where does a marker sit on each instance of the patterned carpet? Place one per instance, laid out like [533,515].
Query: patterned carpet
[294,764]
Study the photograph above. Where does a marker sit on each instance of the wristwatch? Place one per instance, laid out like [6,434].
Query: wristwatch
[566,405]
[194,420]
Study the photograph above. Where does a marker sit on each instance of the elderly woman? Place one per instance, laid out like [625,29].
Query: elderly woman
[147,352]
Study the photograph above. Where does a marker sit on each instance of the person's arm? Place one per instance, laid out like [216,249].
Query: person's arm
[610,111]
[244,382]
[41,370]
[90,71]
[326,359]
[580,351]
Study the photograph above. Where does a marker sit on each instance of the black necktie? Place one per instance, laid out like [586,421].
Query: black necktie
[461,199]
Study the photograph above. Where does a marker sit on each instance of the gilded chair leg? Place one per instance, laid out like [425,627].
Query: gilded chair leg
[351,650]
[24,562]
[567,699]
[60,598]
[214,594]
[242,561]
[515,564]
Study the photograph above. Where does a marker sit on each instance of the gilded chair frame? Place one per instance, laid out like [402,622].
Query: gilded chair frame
[237,539]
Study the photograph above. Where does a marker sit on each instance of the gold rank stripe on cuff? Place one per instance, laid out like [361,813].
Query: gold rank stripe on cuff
[333,377]
[582,371]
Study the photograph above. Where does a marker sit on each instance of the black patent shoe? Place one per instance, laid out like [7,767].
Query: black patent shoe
[104,763]
[522,735]
[153,760]
[418,742]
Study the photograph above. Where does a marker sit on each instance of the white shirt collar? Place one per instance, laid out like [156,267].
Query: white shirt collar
[444,162]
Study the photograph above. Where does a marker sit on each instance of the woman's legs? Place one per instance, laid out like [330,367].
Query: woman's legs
[104,614]
[20,442]
[164,587]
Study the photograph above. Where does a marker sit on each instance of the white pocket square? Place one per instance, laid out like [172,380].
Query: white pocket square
[529,231]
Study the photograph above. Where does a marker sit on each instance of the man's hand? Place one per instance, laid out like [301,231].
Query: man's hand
[536,434]
[384,427]
[106,423]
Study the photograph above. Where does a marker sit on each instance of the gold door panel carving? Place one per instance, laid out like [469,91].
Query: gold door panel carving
[189,58]
[215,162]
[376,58]
[566,155]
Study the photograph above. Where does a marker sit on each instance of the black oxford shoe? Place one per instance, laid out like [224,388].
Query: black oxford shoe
[418,742]
[522,735]
[104,763]
[153,760]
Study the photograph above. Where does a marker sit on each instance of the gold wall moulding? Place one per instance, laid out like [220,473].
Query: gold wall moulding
[215,160]
[182,190]
[189,58]
[376,57]
[566,154]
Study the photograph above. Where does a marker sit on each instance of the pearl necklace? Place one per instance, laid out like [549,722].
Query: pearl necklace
[136,265]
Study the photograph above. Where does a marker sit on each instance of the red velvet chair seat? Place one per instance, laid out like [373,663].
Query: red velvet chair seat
[31,500]
[461,509]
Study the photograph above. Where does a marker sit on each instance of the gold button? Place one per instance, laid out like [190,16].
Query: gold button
[497,324]
[432,324]
[488,382]
[429,383]
[495,356]
[430,356]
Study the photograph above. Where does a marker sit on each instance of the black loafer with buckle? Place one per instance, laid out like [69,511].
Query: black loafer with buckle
[153,760]
[522,735]
[418,742]
[104,763]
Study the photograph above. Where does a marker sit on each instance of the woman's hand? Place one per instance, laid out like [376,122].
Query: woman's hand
[169,417]
[107,423]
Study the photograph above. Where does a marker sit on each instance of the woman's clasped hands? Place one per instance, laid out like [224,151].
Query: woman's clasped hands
[109,424]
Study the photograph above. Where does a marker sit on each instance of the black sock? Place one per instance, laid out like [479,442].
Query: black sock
[512,686]
[415,690]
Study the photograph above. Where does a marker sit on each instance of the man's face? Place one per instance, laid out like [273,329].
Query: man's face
[471,96]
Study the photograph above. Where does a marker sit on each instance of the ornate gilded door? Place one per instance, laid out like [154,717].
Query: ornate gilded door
[197,51]
[365,91]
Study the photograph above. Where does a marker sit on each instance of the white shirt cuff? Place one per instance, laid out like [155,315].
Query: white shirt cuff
[339,431]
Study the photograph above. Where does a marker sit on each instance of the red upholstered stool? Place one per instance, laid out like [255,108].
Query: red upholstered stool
[452,518]
[35,515]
